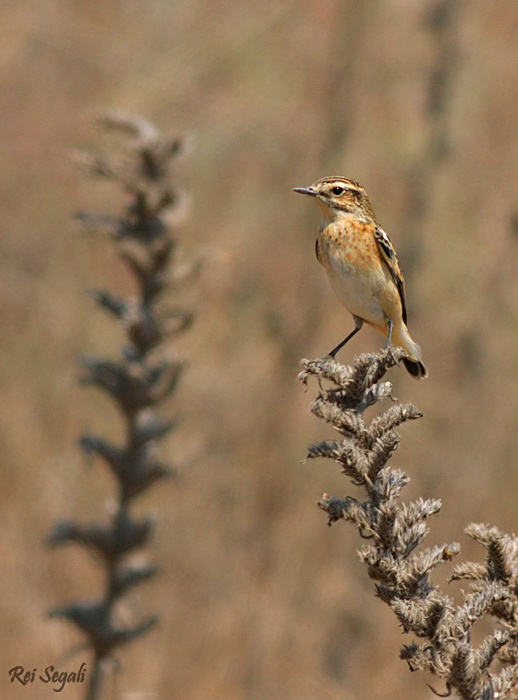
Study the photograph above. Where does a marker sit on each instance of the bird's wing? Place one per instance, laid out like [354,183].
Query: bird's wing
[389,257]
[317,251]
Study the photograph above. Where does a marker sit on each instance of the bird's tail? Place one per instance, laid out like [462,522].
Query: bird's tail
[413,363]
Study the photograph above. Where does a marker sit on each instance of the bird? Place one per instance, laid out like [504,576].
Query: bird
[362,265]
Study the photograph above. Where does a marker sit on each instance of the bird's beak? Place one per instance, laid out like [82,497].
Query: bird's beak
[305,190]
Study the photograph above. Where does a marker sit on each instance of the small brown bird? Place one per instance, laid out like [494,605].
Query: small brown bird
[362,265]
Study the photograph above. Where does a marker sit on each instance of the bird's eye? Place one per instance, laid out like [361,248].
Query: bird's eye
[338,191]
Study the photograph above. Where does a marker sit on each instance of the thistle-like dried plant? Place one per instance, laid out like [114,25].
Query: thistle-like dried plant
[138,381]
[393,531]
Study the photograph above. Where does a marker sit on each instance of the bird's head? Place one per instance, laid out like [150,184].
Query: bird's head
[336,195]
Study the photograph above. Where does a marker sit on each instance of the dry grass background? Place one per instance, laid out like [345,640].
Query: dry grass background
[259,599]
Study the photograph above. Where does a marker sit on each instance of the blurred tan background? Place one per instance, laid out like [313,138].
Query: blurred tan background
[258,598]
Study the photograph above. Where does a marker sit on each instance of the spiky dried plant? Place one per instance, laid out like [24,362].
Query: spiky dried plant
[138,381]
[394,530]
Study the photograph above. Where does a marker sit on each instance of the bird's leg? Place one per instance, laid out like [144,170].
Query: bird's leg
[389,333]
[358,324]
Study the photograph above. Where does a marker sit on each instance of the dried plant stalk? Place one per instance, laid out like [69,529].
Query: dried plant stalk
[394,530]
[138,381]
